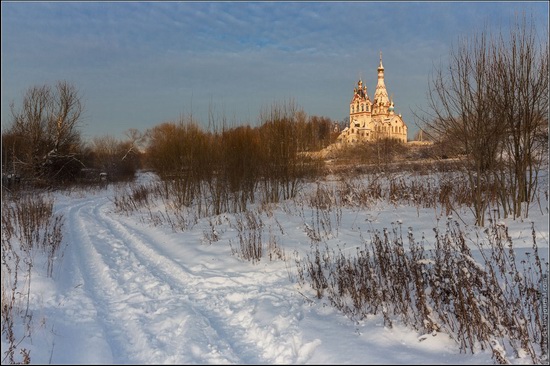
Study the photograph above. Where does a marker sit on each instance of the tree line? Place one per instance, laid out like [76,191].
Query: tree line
[44,145]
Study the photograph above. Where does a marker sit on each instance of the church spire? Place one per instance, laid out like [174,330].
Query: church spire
[381,95]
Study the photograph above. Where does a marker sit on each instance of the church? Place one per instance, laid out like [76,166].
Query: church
[373,120]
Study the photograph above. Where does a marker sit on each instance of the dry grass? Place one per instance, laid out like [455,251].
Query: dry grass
[28,225]
[253,244]
[483,298]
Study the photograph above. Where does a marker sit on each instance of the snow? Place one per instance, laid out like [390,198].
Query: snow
[126,290]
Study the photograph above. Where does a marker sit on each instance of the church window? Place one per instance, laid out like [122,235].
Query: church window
[352,109]
[362,107]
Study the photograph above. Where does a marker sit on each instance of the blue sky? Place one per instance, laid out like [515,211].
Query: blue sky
[139,64]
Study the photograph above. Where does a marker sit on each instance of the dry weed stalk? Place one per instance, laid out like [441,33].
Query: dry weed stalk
[28,225]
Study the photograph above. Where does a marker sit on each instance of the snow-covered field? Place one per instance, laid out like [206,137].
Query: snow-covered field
[128,290]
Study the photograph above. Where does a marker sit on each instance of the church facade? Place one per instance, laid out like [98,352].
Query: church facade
[373,120]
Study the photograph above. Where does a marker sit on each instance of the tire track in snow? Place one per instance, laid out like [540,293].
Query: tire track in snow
[135,307]
[229,316]
[88,263]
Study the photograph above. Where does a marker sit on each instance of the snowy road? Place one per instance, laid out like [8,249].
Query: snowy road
[152,308]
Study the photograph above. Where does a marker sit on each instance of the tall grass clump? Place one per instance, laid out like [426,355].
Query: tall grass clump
[28,225]
[133,197]
[252,241]
[479,293]
[446,192]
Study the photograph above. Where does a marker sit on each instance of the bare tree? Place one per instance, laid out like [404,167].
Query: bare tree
[520,99]
[46,124]
[491,103]
[135,142]
[459,102]
[118,158]
[65,113]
